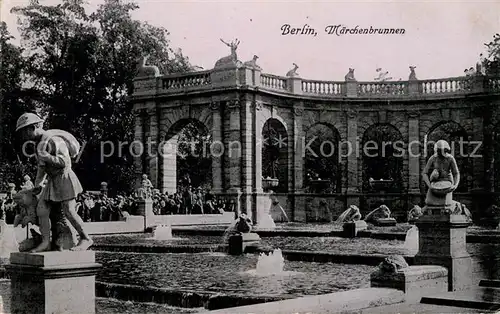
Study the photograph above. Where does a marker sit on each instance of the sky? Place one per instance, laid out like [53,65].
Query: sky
[441,38]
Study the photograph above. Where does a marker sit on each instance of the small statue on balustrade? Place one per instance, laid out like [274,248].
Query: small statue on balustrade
[148,70]
[382,76]
[413,76]
[253,63]
[293,72]
[350,75]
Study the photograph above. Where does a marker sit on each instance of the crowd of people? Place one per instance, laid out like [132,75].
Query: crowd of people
[94,206]
[100,207]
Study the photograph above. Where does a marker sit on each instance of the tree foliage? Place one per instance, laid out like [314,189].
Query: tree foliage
[81,66]
[194,158]
[493,59]
[321,160]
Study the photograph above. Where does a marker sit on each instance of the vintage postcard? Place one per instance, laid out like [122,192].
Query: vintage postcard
[249,156]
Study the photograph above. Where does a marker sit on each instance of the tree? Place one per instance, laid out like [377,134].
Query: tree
[493,59]
[13,102]
[83,68]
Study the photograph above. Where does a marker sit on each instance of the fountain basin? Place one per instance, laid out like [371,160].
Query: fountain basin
[227,274]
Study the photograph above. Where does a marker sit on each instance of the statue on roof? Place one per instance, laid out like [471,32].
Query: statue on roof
[293,72]
[232,59]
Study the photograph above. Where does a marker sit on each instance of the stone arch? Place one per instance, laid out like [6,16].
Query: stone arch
[186,141]
[274,152]
[321,160]
[382,153]
[458,138]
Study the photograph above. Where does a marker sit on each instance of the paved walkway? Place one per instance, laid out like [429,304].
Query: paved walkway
[417,308]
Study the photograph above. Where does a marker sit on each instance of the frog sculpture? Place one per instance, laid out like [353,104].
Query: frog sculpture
[393,264]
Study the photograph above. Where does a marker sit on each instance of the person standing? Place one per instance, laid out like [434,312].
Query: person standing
[62,187]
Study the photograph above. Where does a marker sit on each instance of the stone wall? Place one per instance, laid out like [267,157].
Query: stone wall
[235,103]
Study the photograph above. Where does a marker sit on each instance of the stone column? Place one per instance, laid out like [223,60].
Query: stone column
[259,196]
[298,204]
[442,242]
[352,159]
[169,151]
[53,282]
[233,151]
[258,123]
[413,153]
[138,147]
[246,135]
[152,144]
[478,166]
[217,148]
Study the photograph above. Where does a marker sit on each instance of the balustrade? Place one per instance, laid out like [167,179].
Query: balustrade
[382,88]
[446,86]
[493,84]
[322,87]
[273,82]
[187,80]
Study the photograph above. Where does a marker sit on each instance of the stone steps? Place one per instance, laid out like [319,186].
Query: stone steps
[484,298]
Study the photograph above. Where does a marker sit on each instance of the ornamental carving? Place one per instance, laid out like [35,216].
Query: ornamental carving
[233,103]
[382,116]
[257,105]
[413,114]
[298,111]
[352,114]
[215,105]
[151,111]
[162,135]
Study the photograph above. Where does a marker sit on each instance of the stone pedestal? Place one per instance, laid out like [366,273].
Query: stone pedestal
[238,243]
[414,281]
[352,228]
[385,222]
[442,241]
[145,208]
[53,282]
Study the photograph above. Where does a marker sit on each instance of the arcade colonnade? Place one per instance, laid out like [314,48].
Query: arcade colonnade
[234,103]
